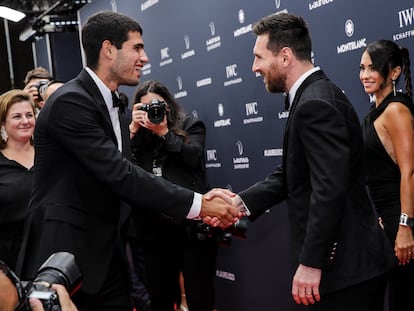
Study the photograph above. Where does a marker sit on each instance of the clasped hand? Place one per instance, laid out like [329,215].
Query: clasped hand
[221,208]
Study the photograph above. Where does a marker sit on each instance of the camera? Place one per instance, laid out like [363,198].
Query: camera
[223,236]
[38,87]
[59,268]
[156,110]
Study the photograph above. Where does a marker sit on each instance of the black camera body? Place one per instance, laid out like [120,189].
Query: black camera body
[39,86]
[223,236]
[59,268]
[156,110]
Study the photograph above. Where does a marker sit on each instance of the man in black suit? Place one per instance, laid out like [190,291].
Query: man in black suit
[81,176]
[342,254]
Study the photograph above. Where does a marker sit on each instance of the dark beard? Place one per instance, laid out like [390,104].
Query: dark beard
[277,85]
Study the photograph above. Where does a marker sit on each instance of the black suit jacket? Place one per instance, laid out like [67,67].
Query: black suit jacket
[80,180]
[333,225]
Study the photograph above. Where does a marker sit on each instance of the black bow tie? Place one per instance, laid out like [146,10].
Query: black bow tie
[119,101]
[287,102]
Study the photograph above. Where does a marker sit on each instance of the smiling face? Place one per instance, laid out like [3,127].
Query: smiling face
[268,65]
[370,77]
[20,121]
[129,60]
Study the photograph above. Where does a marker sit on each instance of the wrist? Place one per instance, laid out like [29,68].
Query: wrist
[406,221]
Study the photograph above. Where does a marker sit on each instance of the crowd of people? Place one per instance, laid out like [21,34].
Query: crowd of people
[77,171]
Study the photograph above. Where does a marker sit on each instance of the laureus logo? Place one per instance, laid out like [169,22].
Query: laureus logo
[180,83]
[239,147]
[187,42]
[212,28]
[195,114]
[277,3]
[349,28]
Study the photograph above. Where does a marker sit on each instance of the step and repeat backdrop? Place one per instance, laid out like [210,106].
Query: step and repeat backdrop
[202,50]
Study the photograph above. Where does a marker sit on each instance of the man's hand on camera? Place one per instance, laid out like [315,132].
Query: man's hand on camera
[66,303]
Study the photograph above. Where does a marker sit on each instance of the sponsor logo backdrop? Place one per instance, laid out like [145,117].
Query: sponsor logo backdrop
[202,50]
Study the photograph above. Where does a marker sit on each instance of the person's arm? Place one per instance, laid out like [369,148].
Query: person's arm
[398,122]
[66,304]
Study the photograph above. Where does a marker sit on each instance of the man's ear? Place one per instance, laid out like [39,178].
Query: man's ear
[107,48]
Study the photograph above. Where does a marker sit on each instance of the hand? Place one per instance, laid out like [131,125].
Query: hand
[305,285]
[140,119]
[217,208]
[31,88]
[66,303]
[8,293]
[404,245]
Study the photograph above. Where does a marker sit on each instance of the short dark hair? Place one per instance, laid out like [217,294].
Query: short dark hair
[38,73]
[106,25]
[286,30]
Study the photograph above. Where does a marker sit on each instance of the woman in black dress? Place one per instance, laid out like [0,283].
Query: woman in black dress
[389,147]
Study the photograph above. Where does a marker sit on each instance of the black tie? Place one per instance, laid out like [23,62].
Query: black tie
[287,102]
[118,101]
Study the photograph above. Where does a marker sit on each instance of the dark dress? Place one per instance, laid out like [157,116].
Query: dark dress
[15,190]
[383,180]
[170,247]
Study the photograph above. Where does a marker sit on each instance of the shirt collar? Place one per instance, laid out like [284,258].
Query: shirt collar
[105,91]
[297,84]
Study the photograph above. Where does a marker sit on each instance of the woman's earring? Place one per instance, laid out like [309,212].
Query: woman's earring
[3,134]
[393,87]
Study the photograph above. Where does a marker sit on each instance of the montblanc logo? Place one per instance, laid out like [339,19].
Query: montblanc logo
[405,19]
[188,52]
[165,57]
[231,74]
[240,162]
[244,29]
[349,28]
[352,45]
[221,122]
[215,41]
[181,92]
[220,109]
[252,111]
[241,16]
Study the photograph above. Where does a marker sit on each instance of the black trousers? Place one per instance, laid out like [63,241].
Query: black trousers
[401,287]
[115,293]
[366,296]
[163,261]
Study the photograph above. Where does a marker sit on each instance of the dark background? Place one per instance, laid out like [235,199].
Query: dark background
[244,123]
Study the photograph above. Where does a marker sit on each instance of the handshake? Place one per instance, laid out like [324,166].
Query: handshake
[221,208]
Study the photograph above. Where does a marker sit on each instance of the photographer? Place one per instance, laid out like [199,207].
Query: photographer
[35,78]
[170,144]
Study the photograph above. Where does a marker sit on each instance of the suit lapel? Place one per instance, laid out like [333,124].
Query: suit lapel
[90,87]
[312,78]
